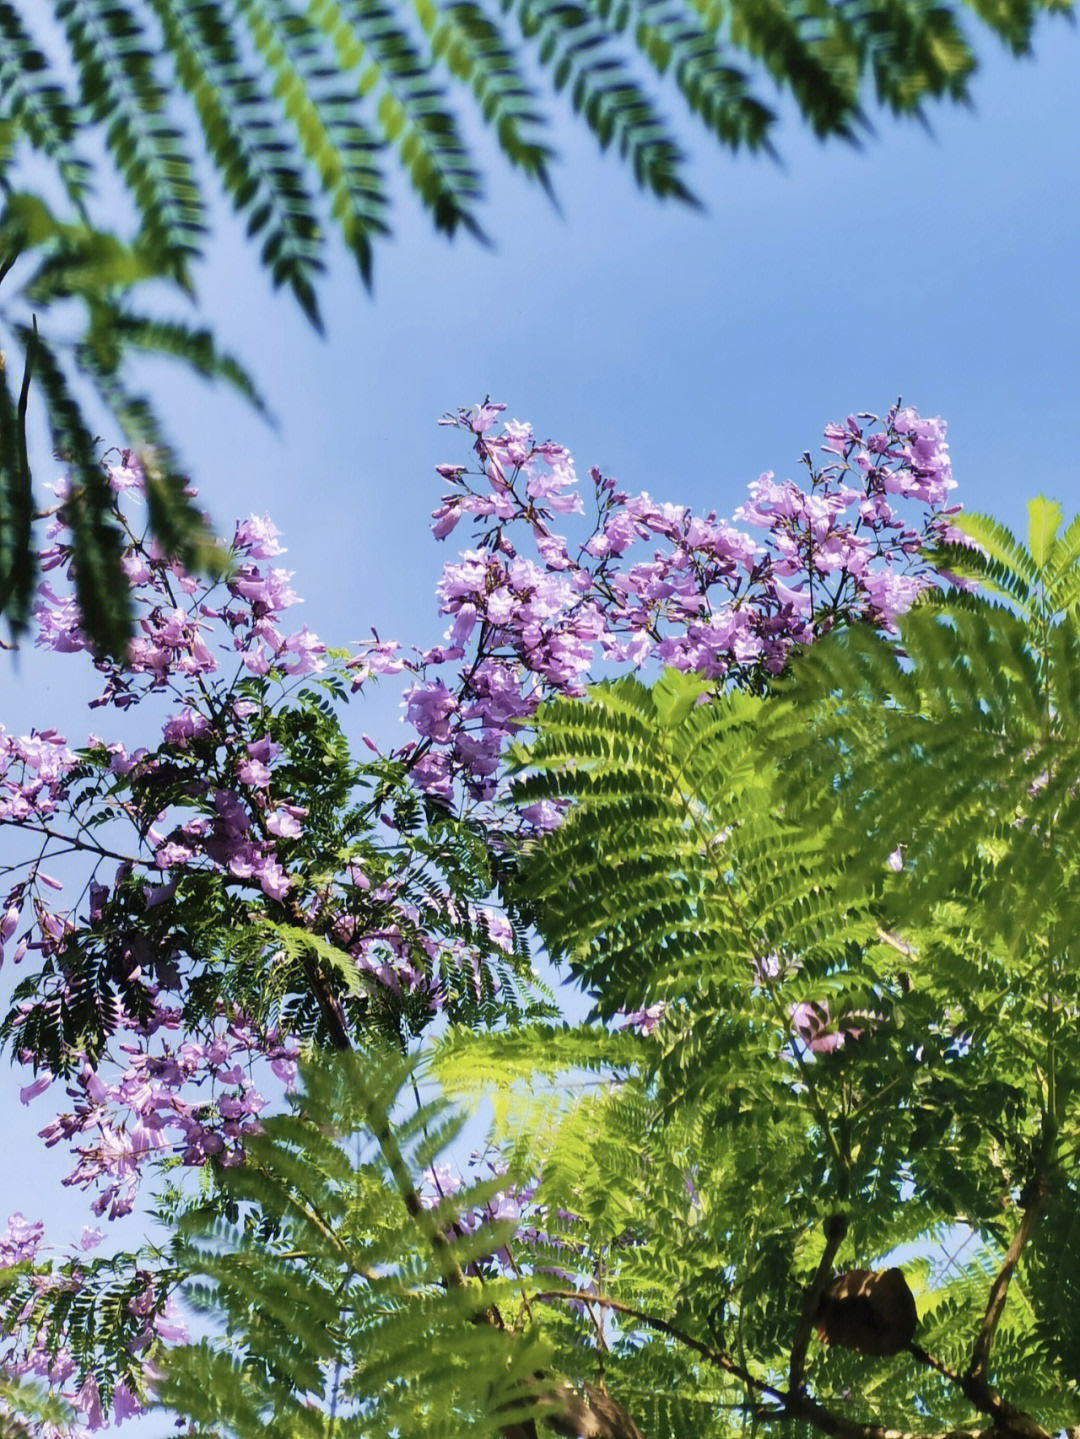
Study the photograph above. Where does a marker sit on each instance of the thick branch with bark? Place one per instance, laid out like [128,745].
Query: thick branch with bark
[803,1407]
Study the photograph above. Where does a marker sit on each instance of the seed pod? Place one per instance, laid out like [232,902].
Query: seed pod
[872,1312]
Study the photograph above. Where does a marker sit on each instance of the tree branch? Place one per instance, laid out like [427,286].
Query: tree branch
[653,1321]
[1007,1418]
[797,1404]
[835,1229]
[801,1406]
[919,1353]
[980,1355]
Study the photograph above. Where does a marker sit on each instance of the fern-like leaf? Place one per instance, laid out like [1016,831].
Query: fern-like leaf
[412,113]
[256,164]
[18,567]
[120,89]
[103,595]
[35,99]
[474,50]
[347,1306]
[602,89]
[334,140]
[666,872]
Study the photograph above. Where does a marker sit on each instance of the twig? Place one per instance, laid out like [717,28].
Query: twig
[918,1352]
[662,1326]
[835,1229]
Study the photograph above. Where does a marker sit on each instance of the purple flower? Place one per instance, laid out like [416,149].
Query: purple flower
[254,773]
[284,821]
[125,1404]
[264,750]
[36,1086]
[812,1022]
[88,1404]
[429,707]
[303,653]
[20,1241]
[273,879]
[188,724]
[645,1021]
[169,1326]
[258,535]
[507,1209]
[171,854]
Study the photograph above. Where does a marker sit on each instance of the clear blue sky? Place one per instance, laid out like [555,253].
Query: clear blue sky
[682,352]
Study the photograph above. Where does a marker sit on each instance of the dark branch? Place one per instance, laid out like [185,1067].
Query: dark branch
[803,1407]
[980,1355]
[653,1321]
[919,1353]
[835,1229]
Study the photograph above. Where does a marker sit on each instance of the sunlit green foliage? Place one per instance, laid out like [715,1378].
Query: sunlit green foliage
[843,919]
[857,899]
[343,1296]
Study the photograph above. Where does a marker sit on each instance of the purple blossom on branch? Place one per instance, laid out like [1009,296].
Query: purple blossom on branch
[529,613]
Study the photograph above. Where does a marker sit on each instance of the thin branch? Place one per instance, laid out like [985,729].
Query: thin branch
[980,1355]
[75,844]
[662,1326]
[1006,1417]
[835,1229]
[918,1352]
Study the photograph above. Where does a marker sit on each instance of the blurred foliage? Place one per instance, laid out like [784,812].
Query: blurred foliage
[299,108]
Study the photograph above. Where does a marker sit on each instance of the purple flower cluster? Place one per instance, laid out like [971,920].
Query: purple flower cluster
[707,596]
[214,803]
[192,1100]
[28,1354]
[176,619]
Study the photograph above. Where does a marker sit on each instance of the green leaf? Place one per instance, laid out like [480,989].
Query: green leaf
[246,142]
[18,562]
[35,100]
[354,1294]
[116,61]
[1044,521]
[103,595]
[372,48]
[334,140]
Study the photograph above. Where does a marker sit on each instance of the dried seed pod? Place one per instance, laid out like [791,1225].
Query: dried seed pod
[872,1312]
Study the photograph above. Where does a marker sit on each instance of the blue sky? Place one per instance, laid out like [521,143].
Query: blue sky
[682,352]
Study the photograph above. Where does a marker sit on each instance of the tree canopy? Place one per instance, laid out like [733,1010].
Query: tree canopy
[299,110]
[811,1159]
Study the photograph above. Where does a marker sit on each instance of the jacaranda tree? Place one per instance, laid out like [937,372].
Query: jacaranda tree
[795,1065]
